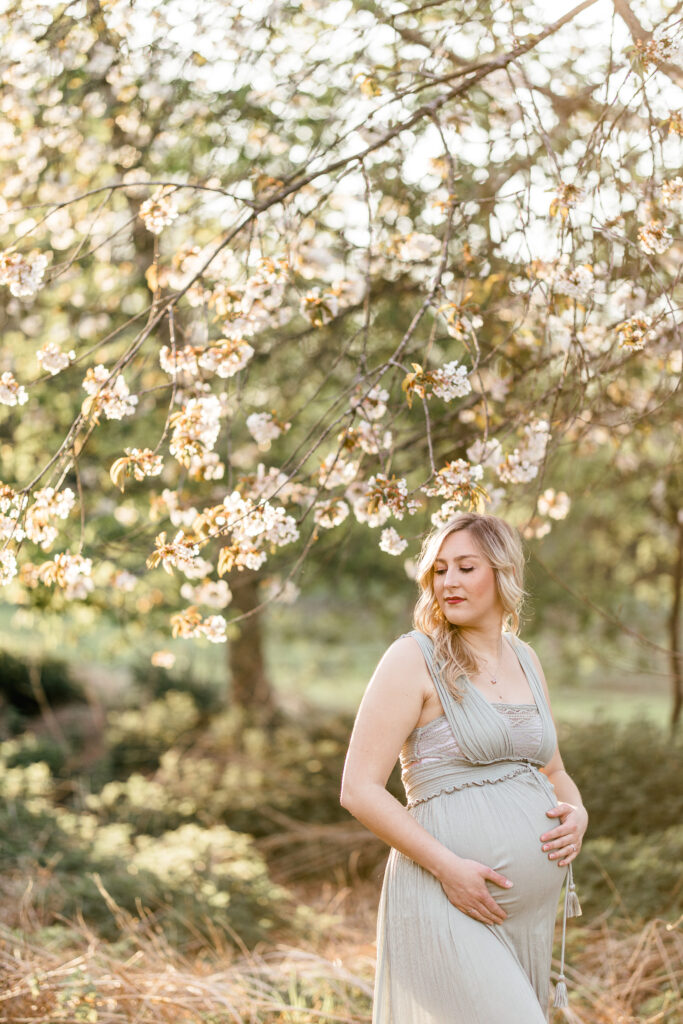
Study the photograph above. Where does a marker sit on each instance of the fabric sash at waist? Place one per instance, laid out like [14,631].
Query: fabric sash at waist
[427,780]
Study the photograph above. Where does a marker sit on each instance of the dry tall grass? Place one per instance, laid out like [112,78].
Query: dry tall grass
[623,975]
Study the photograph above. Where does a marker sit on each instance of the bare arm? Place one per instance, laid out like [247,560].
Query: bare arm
[388,713]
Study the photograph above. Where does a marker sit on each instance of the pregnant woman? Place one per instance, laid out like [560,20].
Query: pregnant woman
[493,821]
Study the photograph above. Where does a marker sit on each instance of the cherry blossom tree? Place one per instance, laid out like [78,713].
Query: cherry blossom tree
[272,267]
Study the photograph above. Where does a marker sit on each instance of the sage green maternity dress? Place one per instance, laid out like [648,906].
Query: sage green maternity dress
[472,780]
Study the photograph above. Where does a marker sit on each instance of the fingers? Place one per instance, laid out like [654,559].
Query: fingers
[497,879]
[566,848]
[558,839]
[488,912]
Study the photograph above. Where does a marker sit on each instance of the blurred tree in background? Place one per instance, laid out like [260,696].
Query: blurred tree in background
[279,272]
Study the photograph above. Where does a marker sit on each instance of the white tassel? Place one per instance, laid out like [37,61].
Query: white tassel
[561,997]
[573,905]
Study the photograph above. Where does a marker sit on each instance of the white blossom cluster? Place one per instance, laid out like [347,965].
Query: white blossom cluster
[264,428]
[206,466]
[578,283]
[52,359]
[70,572]
[336,471]
[485,453]
[47,506]
[522,464]
[169,503]
[635,332]
[195,428]
[264,483]
[391,541]
[252,528]
[269,523]
[280,591]
[460,324]
[137,462]
[124,581]
[225,358]
[554,504]
[178,360]
[11,392]
[331,513]
[12,505]
[162,659]
[457,482]
[453,479]
[8,566]
[654,238]
[373,405]
[374,501]
[214,593]
[672,191]
[23,274]
[213,629]
[159,210]
[450,381]
[367,436]
[659,49]
[180,553]
[144,462]
[320,307]
[446,512]
[417,246]
[263,295]
[115,400]
[189,625]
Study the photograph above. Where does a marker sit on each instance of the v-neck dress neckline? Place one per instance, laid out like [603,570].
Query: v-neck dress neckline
[527,676]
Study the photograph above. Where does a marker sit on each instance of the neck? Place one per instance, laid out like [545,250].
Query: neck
[485,640]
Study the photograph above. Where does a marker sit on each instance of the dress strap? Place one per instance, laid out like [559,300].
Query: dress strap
[478,729]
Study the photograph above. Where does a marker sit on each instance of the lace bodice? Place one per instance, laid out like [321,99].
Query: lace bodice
[435,741]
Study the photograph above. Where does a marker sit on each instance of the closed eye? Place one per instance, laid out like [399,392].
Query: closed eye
[440,572]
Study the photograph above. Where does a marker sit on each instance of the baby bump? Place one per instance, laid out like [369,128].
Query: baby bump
[500,824]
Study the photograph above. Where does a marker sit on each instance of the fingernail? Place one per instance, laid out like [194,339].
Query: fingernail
[509,884]
[545,847]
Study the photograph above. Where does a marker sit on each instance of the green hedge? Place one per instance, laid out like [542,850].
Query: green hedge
[630,776]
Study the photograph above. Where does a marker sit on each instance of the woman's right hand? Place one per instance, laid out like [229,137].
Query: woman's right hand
[464,882]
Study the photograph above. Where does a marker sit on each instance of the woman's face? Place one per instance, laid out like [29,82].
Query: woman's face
[462,571]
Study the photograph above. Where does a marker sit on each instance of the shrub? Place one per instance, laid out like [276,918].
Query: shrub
[191,879]
[639,876]
[136,737]
[238,774]
[630,775]
[18,693]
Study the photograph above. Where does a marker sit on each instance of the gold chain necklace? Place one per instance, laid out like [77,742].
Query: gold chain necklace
[494,680]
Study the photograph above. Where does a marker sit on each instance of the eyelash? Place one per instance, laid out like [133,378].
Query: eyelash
[440,572]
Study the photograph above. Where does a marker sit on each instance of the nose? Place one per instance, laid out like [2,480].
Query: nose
[451,577]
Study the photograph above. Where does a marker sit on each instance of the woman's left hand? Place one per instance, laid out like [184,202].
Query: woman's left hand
[565,841]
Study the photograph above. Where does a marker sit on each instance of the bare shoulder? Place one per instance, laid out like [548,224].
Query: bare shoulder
[402,667]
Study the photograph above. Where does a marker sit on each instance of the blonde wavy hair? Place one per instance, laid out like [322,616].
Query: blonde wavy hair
[501,545]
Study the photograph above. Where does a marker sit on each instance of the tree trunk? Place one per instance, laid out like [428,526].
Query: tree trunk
[675,632]
[250,687]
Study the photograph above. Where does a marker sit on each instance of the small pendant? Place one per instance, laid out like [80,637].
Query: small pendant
[494,681]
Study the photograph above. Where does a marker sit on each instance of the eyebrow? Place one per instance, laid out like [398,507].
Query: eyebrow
[456,559]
